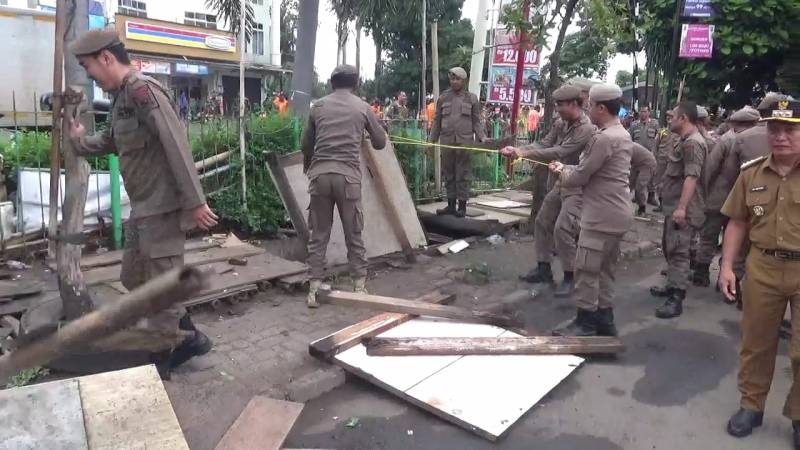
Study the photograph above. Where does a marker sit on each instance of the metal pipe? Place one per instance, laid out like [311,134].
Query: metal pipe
[116,201]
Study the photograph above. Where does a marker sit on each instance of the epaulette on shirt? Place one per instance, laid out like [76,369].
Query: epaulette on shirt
[753,162]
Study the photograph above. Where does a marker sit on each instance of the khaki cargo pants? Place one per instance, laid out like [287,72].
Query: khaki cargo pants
[329,190]
[676,242]
[641,180]
[595,266]
[770,284]
[154,245]
[709,242]
[558,223]
[457,169]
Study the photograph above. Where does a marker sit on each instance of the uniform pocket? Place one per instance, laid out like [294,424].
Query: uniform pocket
[762,198]
[674,168]
[352,191]
[128,134]
[590,254]
[466,110]
[447,110]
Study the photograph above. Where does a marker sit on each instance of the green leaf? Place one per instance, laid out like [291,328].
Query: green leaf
[725,50]
[747,49]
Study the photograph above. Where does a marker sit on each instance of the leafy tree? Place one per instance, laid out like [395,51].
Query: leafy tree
[229,12]
[624,78]
[288,32]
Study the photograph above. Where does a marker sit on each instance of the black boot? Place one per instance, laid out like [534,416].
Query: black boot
[673,307]
[605,322]
[462,209]
[567,286]
[450,209]
[196,345]
[796,434]
[541,274]
[742,423]
[651,199]
[584,324]
[700,276]
[660,207]
[642,211]
[661,291]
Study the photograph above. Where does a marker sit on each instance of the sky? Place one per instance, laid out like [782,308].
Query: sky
[325,54]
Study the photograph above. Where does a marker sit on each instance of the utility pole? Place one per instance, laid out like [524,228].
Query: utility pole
[303,76]
[424,54]
[526,10]
[478,49]
[55,153]
[437,151]
[242,52]
[673,66]
[634,7]
[72,287]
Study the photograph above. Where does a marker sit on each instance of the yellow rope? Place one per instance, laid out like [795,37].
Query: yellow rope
[411,141]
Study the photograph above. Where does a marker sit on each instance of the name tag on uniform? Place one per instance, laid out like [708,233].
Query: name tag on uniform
[758,189]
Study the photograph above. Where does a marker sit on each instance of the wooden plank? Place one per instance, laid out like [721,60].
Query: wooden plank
[284,188]
[111,273]
[263,425]
[115,256]
[15,306]
[330,345]
[383,190]
[18,288]
[537,345]
[399,305]
[129,410]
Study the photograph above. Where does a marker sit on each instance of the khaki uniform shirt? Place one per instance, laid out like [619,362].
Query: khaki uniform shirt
[751,144]
[720,171]
[154,154]
[685,160]
[645,133]
[397,113]
[603,173]
[458,119]
[332,138]
[769,203]
[564,142]
[642,158]
[665,143]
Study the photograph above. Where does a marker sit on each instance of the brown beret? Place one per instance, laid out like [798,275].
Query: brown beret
[93,41]
[702,112]
[605,92]
[746,114]
[459,72]
[566,93]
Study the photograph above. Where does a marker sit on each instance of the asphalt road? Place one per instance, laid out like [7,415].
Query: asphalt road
[674,388]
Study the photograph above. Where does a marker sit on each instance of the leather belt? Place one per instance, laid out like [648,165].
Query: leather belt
[785,255]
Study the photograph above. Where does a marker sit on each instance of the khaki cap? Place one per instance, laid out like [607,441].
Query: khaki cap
[93,41]
[459,72]
[746,114]
[583,84]
[604,92]
[702,112]
[566,93]
[770,100]
[784,111]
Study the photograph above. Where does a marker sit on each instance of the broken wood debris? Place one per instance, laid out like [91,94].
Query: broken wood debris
[536,345]
[263,425]
[399,305]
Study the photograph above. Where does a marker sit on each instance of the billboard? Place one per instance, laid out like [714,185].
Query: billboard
[502,71]
[698,8]
[697,41]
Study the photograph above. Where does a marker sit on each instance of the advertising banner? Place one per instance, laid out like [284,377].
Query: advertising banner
[697,41]
[698,8]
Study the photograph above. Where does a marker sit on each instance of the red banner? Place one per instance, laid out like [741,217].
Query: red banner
[505,51]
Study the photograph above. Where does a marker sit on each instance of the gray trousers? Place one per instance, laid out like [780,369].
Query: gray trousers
[641,180]
[676,242]
[329,190]
[595,266]
[457,170]
[558,223]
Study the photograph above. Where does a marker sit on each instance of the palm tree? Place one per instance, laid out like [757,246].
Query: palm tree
[229,12]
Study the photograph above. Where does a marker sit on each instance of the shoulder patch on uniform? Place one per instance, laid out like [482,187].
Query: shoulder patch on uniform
[143,96]
[753,162]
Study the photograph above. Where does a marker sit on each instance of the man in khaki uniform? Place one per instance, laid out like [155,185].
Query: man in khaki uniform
[764,207]
[644,131]
[331,148]
[159,175]
[457,122]
[683,207]
[719,174]
[643,164]
[602,172]
[397,114]
[665,143]
[558,218]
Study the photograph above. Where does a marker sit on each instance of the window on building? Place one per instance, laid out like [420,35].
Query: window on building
[257,2]
[258,39]
[133,8]
[201,20]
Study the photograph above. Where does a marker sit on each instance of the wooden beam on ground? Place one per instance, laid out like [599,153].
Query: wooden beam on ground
[213,160]
[263,425]
[382,187]
[287,196]
[399,305]
[537,345]
[349,337]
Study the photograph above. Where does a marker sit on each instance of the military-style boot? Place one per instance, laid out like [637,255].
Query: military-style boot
[448,210]
[541,274]
[651,199]
[641,211]
[660,207]
[313,287]
[661,291]
[584,324]
[742,423]
[673,307]
[462,209]
[360,285]
[701,276]
[605,322]
[566,287]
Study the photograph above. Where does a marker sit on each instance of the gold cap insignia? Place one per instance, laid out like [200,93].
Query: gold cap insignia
[783,104]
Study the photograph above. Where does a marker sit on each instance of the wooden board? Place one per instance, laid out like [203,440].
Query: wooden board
[263,425]
[115,256]
[505,218]
[483,394]
[43,416]
[18,288]
[351,336]
[379,233]
[536,345]
[499,204]
[399,305]
[111,273]
[129,409]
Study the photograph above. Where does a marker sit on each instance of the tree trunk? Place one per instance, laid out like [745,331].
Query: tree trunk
[75,296]
[303,75]
[358,48]
[378,62]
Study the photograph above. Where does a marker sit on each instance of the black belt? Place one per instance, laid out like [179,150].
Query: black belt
[786,255]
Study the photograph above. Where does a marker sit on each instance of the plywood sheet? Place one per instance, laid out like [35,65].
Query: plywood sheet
[43,416]
[379,237]
[483,394]
[490,214]
[129,409]
[263,425]
[500,204]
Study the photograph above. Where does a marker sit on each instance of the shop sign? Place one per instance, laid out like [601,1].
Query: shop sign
[697,41]
[161,34]
[502,81]
[194,69]
[698,8]
[147,66]
[505,51]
